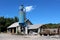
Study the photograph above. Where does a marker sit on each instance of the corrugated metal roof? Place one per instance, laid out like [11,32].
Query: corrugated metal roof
[14,25]
[29,26]
[34,26]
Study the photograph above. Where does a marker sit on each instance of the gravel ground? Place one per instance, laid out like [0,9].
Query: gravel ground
[4,36]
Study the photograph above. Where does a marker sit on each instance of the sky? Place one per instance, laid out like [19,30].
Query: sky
[37,11]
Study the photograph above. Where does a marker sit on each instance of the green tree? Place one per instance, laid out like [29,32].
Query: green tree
[5,22]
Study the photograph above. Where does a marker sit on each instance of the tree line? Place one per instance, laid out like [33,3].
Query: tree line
[5,22]
[51,25]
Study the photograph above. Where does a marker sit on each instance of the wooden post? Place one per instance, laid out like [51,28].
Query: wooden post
[38,30]
[16,30]
[26,30]
[12,31]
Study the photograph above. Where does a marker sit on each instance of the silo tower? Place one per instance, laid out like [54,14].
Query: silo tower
[22,18]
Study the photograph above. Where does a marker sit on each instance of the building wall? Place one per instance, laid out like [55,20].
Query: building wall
[55,30]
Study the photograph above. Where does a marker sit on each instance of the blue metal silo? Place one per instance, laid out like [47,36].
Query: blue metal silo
[22,19]
[22,15]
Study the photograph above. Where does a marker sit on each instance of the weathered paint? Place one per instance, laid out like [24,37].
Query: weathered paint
[21,15]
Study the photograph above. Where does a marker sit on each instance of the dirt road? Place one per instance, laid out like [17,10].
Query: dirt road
[4,36]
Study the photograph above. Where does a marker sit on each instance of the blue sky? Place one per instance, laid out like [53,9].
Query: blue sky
[43,11]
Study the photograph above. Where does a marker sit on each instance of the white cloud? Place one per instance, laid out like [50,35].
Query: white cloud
[29,8]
